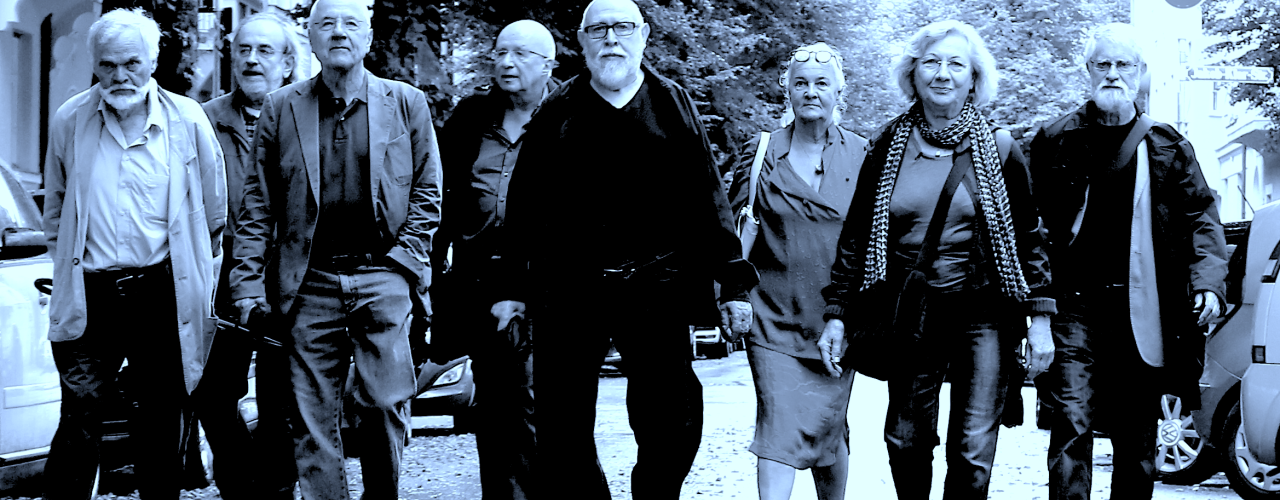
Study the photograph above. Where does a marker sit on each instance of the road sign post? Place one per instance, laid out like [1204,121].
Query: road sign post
[1242,74]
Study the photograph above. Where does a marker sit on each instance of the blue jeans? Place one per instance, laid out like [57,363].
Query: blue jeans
[360,316]
[1098,377]
[964,342]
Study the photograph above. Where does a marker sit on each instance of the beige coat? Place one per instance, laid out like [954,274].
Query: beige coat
[197,214]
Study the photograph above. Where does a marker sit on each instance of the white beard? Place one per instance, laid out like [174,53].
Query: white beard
[613,73]
[1114,100]
[122,103]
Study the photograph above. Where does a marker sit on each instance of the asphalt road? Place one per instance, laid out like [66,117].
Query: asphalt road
[441,464]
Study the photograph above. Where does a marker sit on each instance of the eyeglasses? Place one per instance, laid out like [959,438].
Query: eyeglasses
[599,31]
[820,56]
[1124,67]
[520,54]
[349,24]
[932,65]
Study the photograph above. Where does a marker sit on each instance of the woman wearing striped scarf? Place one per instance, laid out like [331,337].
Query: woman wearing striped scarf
[986,277]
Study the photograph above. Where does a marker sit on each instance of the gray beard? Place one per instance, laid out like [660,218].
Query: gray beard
[613,74]
[122,103]
[1112,101]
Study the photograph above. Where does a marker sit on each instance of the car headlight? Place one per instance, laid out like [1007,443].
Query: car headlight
[453,375]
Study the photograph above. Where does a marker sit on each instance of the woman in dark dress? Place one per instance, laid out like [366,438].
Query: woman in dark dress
[803,189]
[986,280]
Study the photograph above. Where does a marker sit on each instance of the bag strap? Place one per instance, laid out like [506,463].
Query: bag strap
[1127,150]
[756,166]
[933,236]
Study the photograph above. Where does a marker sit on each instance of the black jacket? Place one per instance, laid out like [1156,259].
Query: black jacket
[567,219]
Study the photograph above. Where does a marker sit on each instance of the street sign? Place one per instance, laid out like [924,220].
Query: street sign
[1183,4]
[1244,74]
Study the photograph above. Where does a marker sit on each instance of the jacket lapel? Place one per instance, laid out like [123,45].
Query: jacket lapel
[381,111]
[306,119]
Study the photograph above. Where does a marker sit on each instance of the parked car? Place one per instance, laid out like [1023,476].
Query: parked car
[709,341]
[447,389]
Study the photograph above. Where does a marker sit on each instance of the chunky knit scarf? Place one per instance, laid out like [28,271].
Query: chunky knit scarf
[992,195]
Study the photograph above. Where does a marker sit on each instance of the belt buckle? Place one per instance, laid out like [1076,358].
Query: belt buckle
[123,284]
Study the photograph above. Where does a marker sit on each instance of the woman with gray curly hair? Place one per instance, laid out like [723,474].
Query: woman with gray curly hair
[948,195]
[803,183]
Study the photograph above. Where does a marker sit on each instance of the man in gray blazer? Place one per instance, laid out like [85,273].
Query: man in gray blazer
[332,240]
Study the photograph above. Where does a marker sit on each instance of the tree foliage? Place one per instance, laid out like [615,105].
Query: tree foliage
[1250,30]
[730,54]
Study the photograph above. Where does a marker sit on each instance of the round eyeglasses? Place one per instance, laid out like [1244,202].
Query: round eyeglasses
[820,56]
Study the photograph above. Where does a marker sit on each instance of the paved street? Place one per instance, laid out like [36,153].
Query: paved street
[440,464]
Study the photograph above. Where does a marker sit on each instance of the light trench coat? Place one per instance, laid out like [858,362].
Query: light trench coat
[197,214]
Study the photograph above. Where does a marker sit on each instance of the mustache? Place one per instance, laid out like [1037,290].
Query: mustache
[122,86]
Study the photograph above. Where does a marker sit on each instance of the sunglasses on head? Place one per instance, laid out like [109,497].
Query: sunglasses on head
[820,56]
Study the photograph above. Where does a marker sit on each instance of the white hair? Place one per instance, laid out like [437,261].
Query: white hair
[842,95]
[1120,34]
[116,22]
[986,78]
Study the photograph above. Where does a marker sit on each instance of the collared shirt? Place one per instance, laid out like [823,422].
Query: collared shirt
[127,199]
[482,207]
[346,224]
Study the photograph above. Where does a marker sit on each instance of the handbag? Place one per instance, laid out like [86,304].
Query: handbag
[894,309]
[748,226]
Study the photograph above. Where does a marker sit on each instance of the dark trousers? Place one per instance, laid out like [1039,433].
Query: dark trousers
[361,316]
[502,363]
[664,397]
[1098,379]
[963,341]
[142,328]
[247,466]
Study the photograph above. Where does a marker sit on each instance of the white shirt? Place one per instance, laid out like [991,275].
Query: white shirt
[127,199]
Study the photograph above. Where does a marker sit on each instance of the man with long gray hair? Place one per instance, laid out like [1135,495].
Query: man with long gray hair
[1130,316]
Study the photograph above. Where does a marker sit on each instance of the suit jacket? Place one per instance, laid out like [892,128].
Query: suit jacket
[228,124]
[273,240]
[197,214]
[1186,241]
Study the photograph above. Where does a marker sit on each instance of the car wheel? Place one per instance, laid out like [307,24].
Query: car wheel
[1249,478]
[1044,415]
[1183,457]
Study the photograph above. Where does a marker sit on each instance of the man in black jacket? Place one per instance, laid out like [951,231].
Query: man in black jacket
[1139,261]
[478,151]
[618,228]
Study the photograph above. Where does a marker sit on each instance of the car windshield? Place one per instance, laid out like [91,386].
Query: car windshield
[17,210]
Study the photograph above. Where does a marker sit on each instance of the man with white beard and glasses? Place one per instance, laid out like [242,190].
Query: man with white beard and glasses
[618,228]
[1138,260]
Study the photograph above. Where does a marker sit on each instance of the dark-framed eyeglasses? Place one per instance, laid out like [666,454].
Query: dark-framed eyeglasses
[599,31]
[521,55]
[1123,67]
[820,56]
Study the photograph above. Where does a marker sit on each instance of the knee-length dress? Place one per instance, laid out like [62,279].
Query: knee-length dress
[801,410]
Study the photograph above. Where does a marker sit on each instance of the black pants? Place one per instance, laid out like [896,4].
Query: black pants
[142,328]
[1098,379]
[664,397]
[247,467]
[970,340]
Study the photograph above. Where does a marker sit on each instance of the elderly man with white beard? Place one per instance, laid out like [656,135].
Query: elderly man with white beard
[617,228]
[135,205]
[1138,260]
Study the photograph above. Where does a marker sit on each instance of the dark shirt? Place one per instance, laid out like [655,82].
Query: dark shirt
[345,224]
[1101,247]
[915,197]
[479,208]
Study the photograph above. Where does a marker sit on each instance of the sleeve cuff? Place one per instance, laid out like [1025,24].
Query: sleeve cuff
[833,311]
[1041,305]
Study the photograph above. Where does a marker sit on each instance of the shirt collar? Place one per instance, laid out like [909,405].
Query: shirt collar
[325,94]
[155,116]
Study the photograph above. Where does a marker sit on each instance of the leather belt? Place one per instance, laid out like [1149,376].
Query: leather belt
[344,262]
[122,280]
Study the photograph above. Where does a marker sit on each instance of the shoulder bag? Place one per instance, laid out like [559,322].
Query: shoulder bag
[748,226]
[890,314]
